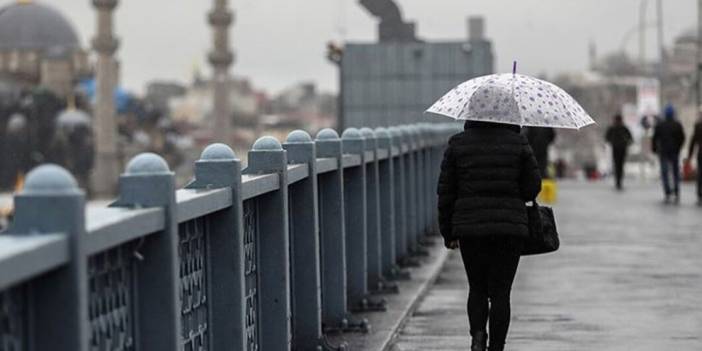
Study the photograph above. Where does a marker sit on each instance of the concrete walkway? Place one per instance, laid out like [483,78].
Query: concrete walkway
[628,277]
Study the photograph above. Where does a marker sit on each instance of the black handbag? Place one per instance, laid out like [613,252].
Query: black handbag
[543,235]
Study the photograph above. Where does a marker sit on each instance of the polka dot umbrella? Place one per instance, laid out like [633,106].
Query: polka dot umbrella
[513,99]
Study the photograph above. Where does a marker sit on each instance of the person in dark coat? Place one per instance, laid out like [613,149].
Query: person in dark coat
[696,144]
[619,137]
[487,174]
[540,138]
[668,140]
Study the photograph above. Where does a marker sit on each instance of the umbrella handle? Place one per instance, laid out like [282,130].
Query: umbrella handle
[514,68]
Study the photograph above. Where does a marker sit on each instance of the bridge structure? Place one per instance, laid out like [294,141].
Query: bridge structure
[277,255]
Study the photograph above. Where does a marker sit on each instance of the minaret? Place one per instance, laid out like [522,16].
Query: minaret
[106,169]
[592,54]
[221,58]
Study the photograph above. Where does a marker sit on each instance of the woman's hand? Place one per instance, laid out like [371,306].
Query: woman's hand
[451,245]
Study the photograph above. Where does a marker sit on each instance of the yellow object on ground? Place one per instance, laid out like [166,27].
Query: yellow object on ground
[549,191]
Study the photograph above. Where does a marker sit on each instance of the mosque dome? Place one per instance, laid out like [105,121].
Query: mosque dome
[27,25]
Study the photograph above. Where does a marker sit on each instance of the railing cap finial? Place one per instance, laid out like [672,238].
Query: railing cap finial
[299,136]
[382,132]
[147,163]
[267,143]
[351,134]
[368,133]
[50,179]
[327,134]
[218,152]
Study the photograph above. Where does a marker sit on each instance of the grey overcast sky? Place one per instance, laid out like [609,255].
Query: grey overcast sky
[281,42]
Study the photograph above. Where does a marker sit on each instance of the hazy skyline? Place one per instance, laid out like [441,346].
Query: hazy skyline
[281,42]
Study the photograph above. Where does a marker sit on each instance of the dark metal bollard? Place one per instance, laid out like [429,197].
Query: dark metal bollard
[267,156]
[335,316]
[411,186]
[148,182]
[217,168]
[51,203]
[305,248]
[377,282]
[400,186]
[387,194]
[356,219]
[429,176]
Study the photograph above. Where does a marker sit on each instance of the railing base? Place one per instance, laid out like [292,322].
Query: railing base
[326,345]
[385,287]
[398,274]
[370,304]
[409,262]
[419,252]
[427,242]
[349,325]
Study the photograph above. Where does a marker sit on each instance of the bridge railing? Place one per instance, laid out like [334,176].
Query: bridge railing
[270,257]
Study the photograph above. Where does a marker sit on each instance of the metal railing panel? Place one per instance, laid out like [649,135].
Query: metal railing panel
[325,165]
[109,227]
[351,160]
[25,257]
[256,185]
[251,254]
[13,318]
[193,262]
[111,298]
[194,203]
[297,173]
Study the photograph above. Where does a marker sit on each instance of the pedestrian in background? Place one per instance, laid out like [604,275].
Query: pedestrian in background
[619,137]
[696,145]
[487,174]
[540,139]
[668,140]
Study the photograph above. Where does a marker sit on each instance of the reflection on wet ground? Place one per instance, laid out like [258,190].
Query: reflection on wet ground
[628,277]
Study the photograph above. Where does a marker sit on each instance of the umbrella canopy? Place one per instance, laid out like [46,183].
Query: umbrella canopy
[513,99]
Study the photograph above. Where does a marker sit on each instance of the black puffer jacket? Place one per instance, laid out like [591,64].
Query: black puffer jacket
[487,174]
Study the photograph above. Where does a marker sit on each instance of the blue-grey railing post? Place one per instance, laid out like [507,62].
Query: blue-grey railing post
[304,241]
[426,164]
[332,218]
[267,156]
[386,194]
[148,182]
[435,162]
[356,219]
[332,231]
[51,203]
[217,168]
[420,184]
[400,177]
[374,248]
[411,188]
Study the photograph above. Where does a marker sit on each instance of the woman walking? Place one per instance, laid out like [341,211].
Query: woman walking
[487,174]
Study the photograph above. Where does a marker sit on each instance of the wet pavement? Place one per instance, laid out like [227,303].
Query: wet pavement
[628,277]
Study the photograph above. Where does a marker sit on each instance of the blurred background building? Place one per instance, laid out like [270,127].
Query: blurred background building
[394,80]
[49,88]
[40,47]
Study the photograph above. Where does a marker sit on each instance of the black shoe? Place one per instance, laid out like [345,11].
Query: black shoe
[479,342]
[497,348]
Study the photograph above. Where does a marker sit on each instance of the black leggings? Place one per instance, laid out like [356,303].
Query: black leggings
[491,264]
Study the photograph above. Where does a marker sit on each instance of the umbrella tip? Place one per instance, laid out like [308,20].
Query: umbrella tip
[514,67]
